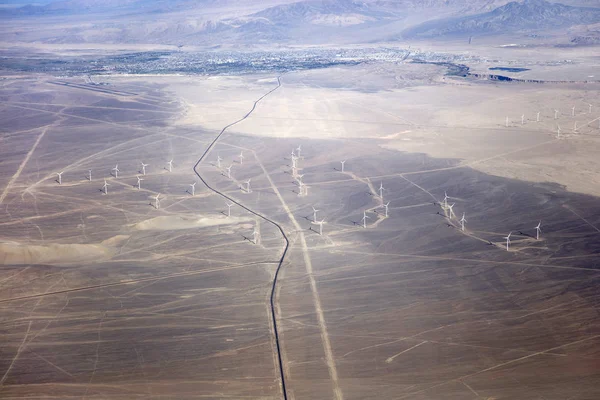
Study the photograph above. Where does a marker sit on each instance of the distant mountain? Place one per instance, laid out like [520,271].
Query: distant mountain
[530,15]
[287,22]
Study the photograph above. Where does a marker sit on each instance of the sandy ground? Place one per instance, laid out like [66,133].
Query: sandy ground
[464,122]
[106,295]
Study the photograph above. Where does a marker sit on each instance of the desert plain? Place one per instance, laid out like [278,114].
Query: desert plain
[232,289]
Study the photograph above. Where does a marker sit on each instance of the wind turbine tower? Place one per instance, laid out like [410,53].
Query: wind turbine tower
[507,240]
[538,229]
[116,170]
[144,168]
[315,214]
[59,177]
[343,162]
[170,165]
[193,186]
[462,223]
[364,219]
[386,206]
[139,181]
[105,187]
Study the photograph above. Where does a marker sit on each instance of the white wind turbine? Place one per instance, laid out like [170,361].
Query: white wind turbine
[557,131]
[193,186]
[575,130]
[116,170]
[590,110]
[522,119]
[343,162]
[157,201]
[446,199]
[139,181]
[90,175]
[506,122]
[229,205]
[364,219]
[386,206]
[555,114]
[451,208]
[315,214]
[248,186]
[105,187]
[538,229]
[219,159]
[241,157]
[537,118]
[170,165]
[229,171]
[462,223]
[381,189]
[573,111]
[320,223]
[144,168]
[60,177]
[507,240]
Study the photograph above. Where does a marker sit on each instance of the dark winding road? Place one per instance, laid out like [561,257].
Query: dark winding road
[270,221]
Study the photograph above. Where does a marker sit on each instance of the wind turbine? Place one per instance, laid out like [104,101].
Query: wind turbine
[170,165]
[522,119]
[557,131]
[506,122]
[144,168]
[386,205]
[537,118]
[538,229]
[575,127]
[116,169]
[573,111]
[60,177]
[343,162]
[193,186]
[105,187]
[450,207]
[381,189]
[507,240]
[462,223]
[219,159]
[229,171]
[590,110]
[364,219]
[139,180]
[241,157]
[446,199]
[315,214]
[555,114]
[229,205]
[320,223]
[157,201]
[248,186]
[90,175]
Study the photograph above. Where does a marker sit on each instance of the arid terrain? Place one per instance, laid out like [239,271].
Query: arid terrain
[107,295]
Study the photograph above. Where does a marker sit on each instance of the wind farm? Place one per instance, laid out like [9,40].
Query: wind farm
[411,245]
